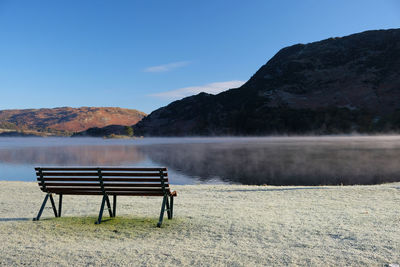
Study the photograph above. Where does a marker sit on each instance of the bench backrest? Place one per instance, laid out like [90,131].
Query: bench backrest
[100,180]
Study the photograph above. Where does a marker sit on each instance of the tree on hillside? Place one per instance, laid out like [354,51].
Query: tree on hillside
[129,130]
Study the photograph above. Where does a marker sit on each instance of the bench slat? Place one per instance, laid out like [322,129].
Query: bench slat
[93,192]
[95,169]
[133,174]
[58,189]
[109,193]
[105,184]
[76,179]
[118,174]
[51,189]
[90,179]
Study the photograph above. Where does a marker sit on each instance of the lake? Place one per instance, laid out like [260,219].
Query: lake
[265,160]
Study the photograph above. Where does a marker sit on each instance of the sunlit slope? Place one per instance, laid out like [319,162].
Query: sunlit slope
[67,119]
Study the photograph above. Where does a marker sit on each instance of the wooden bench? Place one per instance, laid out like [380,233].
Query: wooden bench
[105,181]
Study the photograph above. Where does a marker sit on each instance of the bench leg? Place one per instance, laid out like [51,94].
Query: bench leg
[53,204]
[172,206]
[168,209]
[114,205]
[101,210]
[162,211]
[109,206]
[59,205]
[41,208]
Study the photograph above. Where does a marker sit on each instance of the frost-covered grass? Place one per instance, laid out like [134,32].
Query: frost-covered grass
[214,225]
[84,227]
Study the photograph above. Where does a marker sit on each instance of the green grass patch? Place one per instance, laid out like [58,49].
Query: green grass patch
[118,227]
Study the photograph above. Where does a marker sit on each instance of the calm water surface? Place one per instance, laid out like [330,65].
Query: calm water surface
[267,160]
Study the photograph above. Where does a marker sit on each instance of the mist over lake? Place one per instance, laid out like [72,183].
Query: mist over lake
[266,160]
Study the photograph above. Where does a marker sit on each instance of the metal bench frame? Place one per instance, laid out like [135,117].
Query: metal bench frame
[167,203]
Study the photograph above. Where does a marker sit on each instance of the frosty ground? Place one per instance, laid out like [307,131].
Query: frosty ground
[231,225]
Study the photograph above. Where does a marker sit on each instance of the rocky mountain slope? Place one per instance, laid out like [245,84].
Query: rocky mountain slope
[66,120]
[338,85]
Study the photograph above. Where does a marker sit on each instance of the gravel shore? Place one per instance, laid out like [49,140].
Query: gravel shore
[226,225]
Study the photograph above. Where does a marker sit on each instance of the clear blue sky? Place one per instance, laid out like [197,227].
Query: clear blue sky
[145,54]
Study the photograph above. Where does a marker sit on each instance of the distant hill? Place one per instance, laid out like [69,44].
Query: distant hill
[338,85]
[108,131]
[65,120]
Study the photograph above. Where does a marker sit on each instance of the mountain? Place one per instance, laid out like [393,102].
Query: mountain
[337,85]
[65,120]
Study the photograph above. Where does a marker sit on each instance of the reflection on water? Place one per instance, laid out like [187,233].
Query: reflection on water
[110,155]
[286,162]
[19,156]
[274,161]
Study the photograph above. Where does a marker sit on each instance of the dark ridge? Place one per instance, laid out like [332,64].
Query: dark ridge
[338,85]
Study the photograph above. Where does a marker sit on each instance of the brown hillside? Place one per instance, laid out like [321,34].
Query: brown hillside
[68,119]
